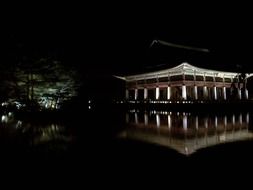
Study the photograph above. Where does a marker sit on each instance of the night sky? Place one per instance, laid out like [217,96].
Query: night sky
[115,38]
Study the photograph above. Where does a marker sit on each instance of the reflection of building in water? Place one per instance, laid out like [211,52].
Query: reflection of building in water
[186,82]
[186,132]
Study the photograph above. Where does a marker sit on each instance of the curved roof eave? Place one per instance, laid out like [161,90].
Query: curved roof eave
[185,68]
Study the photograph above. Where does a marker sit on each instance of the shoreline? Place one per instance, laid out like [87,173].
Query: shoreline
[192,106]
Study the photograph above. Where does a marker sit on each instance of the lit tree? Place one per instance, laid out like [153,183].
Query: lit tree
[44,81]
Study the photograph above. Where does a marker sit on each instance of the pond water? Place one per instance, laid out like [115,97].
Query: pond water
[31,136]
[91,135]
[187,132]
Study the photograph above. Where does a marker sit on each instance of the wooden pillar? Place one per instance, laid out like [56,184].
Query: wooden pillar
[157,93]
[246,94]
[205,93]
[168,92]
[136,118]
[136,94]
[224,93]
[215,92]
[184,95]
[239,93]
[145,93]
[195,92]
[127,94]
[246,90]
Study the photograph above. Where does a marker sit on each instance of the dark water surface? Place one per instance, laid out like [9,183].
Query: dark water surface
[187,132]
[97,142]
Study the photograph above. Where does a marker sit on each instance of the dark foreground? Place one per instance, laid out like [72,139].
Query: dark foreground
[96,153]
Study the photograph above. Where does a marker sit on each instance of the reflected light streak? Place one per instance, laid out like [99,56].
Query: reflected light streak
[169,121]
[247,118]
[136,118]
[233,119]
[146,119]
[196,122]
[225,121]
[185,122]
[173,137]
[240,119]
[216,121]
[127,118]
[157,120]
[206,122]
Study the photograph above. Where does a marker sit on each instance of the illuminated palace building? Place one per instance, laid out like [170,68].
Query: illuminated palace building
[186,83]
